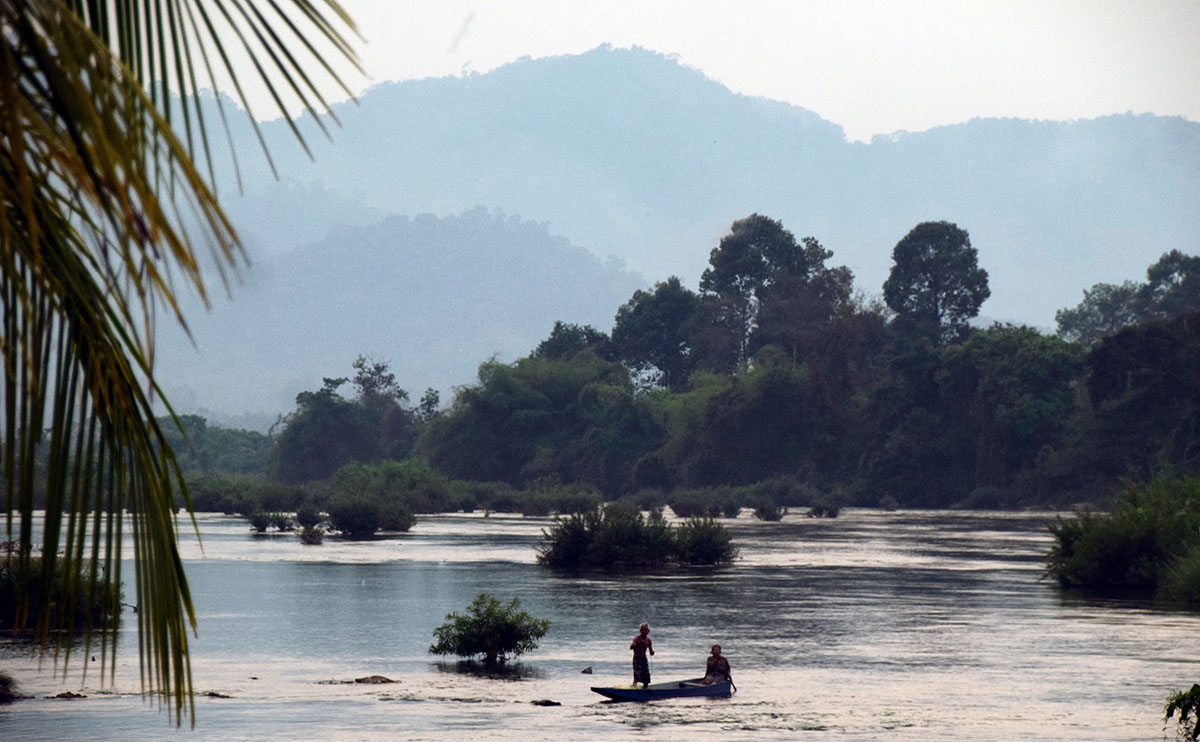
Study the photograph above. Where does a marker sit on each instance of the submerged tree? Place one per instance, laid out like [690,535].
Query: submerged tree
[104,208]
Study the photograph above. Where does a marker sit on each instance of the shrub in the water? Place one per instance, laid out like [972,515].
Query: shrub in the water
[308,516]
[490,629]
[704,541]
[618,534]
[356,517]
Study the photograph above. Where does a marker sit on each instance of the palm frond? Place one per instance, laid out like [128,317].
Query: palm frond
[101,127]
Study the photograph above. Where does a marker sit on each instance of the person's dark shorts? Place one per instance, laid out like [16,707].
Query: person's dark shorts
[641,670]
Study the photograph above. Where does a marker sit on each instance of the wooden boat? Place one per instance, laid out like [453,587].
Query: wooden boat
[673,689]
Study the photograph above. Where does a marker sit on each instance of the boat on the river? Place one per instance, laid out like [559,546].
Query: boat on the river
[673,689]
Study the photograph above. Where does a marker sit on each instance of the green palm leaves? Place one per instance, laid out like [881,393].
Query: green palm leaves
[103,210]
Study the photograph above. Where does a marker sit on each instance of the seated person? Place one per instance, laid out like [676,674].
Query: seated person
[717,667]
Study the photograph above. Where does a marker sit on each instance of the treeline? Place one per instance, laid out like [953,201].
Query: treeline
[778,383]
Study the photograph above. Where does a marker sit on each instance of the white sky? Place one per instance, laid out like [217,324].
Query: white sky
[871,66]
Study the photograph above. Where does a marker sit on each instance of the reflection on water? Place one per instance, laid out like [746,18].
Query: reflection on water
[896,626]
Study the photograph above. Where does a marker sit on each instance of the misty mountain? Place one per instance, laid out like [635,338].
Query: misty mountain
[432,296]
[629,153]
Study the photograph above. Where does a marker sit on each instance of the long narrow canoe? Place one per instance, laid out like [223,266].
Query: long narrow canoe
[673,689]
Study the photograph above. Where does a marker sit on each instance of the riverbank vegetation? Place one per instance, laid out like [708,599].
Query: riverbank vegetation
[1148,542]
[35,595]
[489,629]
[777,385]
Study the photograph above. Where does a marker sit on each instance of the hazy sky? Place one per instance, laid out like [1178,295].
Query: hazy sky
[873,67]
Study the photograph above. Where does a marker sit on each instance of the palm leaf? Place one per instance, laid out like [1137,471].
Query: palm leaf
[100,129]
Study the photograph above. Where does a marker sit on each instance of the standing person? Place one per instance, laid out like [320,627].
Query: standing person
[717,668]
[641,665]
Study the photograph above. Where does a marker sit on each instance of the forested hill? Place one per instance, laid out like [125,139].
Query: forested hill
[631,153]
[432,296]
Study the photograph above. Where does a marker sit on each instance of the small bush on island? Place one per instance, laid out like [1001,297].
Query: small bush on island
[489,629]
[618,534]
[308,516]
[359,516]
[1187,705]
[312,536]
[704,541]
[1148,542]
[260,521]
[769,511]
[354,516]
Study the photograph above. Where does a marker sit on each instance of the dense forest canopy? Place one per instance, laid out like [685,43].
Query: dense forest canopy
[780,375]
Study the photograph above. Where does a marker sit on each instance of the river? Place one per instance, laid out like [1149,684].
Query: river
[872,626]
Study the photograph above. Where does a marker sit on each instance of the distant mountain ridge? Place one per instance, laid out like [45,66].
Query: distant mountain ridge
[432,296]
[625,152]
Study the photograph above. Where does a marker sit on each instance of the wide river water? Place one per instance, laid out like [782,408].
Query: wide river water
[871,626]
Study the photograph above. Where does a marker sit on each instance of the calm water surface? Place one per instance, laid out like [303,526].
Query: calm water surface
[871,626]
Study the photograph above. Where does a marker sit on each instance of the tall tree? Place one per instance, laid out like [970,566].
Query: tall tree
[651,333]
[936,284]
[755,254]
[566,339]
[1105,309]
[1172,287]
[797,309]
[100,135]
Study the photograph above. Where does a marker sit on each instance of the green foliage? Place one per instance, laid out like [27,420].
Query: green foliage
[566,340]
[574,419]
[1142,411]
[71,602]
[1187,705]
[327,431]
[709,502]
[312,536]
[936,284]
[618,534]
[1149,541]
[204,449]
[260,521]
[8,688]
[769,511]
[490,629]
[1181,583]
[308,516]
[355,516]
[756,254]
[651,334]
[411,482]
[1172,289]
[1105,309]
[704,541]
[245,495]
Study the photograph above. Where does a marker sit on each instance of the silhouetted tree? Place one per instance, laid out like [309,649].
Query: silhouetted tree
[936,284]
[651,333]
[1105,309]
[1172,287]
[567,339]
[756,253]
